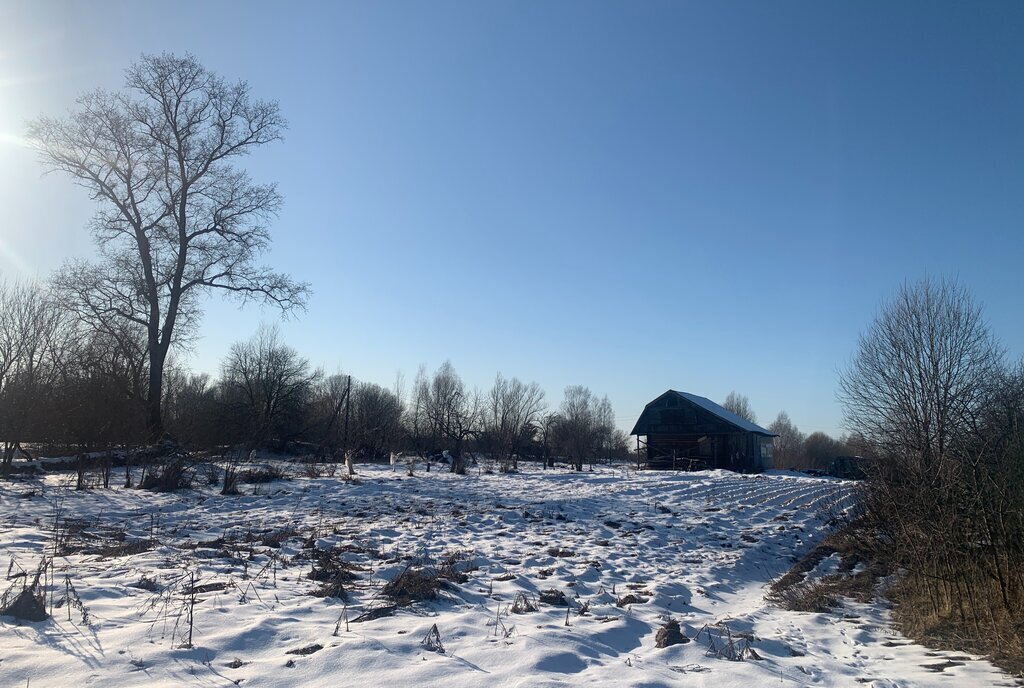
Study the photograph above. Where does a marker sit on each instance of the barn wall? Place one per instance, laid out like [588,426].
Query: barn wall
[732,451]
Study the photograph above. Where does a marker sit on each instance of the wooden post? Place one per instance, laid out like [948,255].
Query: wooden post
[348,406]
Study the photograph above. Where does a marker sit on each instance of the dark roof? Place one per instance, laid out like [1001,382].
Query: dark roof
[712,408]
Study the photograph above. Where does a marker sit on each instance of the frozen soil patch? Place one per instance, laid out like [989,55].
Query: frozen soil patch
[442,579]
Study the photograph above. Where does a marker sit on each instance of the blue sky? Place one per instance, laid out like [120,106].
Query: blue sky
[631,196]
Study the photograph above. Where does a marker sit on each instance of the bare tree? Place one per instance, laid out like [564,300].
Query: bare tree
[585,426]
[94,400]
[928,398]
[33,334]
[267,386]
[820,449]
[740,405]
[610,442]
[453,412]
[921,371]
[546,429]
[190,407]
[789,445]
[332,395]
[376,419]
[175,218]
[510,414]
[422,429]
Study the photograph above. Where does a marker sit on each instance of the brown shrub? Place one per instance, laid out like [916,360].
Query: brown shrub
[670,634]
[630,599]
[413,585]
[553,597]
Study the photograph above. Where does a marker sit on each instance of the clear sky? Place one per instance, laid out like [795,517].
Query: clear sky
[633,196]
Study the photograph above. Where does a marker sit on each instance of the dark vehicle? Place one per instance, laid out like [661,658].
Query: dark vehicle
[847,467]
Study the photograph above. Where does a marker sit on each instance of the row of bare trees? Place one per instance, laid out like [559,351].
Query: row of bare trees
[68,381]
[796,451]
[510,421]
[793,449]
[59,379]
[941,414]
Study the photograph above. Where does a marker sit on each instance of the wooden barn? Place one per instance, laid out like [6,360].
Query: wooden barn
[688,432]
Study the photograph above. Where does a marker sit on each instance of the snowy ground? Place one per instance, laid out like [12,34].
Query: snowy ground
[699,547]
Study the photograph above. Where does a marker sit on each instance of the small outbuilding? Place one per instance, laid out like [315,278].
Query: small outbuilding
[689,432]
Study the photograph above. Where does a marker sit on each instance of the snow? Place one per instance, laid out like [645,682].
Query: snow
[698,547]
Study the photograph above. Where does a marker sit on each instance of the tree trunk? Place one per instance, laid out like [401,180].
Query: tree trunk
[80,472]
[8,459]
[154,414]
[457,466]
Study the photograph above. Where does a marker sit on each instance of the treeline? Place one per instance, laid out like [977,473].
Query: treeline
[76,384]
[793,450]
[941,414]
[796,451]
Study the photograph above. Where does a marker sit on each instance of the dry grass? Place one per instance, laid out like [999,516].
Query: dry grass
[523,604]
[553,597]
[1000,636]
[263,474]
[413,584]
[670,634]
[171,476]
[26,605]
[857,577]
[629,599]
[817,596]
[454,566]
[124,549]
[332,572]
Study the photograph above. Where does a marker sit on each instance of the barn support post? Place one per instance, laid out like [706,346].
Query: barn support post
[638,452]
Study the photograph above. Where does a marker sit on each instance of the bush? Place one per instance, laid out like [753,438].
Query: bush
[264,474]
[670,634]
[331,570]
[413,585]
[818,596]
[173,475]
[553,597]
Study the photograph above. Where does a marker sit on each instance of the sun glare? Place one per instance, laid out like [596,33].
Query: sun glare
[10,261]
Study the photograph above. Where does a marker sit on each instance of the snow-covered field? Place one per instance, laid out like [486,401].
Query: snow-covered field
[697,547]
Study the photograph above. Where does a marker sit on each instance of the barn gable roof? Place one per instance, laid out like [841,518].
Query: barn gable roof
[712,408]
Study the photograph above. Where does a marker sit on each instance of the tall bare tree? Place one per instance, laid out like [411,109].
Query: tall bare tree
[584,425]
[176,219]
[510,414]
[789,445]
[453,412]
[33,332]
[933,407]
[422,430]
[266,390]
[919,378]
[820,449]
[376,419]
